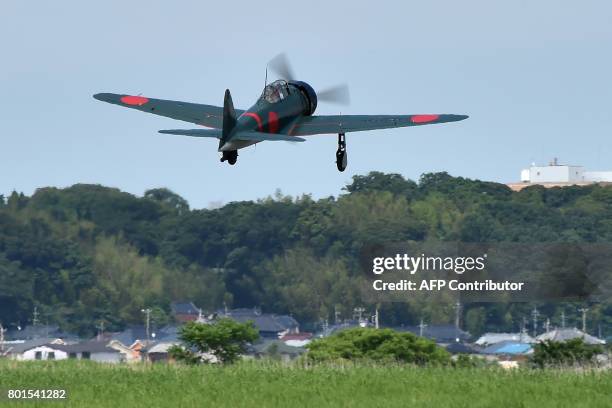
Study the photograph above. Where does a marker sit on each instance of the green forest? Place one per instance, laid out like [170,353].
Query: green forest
[89,253]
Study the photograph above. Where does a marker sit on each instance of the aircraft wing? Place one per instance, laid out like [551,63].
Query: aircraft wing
[242,135]
[205,115]
[313,125]
[262,137]
[214,133]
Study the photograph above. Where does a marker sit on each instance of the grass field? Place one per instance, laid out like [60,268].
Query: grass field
[262,384]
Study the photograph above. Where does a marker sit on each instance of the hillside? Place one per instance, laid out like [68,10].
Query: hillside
[88,253]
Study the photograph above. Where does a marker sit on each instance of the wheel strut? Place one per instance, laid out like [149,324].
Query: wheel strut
[230,156]
[341,156]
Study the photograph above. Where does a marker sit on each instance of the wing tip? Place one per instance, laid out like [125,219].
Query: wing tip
[106,97]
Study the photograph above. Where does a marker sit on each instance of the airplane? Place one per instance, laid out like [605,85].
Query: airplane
[283,112]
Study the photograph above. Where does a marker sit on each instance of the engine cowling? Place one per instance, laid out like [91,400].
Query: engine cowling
[309,93]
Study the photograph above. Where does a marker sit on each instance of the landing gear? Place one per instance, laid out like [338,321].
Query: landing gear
[341,157]
[231,156]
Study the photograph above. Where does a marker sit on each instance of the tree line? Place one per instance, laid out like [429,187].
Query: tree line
[89,253]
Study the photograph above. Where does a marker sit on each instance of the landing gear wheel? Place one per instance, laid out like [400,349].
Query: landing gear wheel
[341,156]
[231,157]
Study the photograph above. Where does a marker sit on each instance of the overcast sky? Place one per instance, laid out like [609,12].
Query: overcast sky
[534,76]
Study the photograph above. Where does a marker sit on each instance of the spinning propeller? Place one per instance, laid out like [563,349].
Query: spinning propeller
[338,94]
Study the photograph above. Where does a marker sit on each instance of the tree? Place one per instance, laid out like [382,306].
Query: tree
[562,353]
[376,181]
[169,198]
[226,339]
[377,345]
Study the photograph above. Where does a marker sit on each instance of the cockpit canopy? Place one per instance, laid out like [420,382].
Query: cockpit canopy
[276,91]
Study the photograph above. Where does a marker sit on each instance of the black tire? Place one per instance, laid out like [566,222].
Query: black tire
[341,160]
[232,157]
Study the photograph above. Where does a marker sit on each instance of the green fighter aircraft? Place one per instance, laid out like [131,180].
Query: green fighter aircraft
[284,111]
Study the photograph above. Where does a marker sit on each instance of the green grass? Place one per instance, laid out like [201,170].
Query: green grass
[262,384]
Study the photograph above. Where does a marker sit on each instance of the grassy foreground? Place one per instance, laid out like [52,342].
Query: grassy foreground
[264,384]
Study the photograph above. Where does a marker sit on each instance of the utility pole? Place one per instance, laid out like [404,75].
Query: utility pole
[336,314]
[457,314]
[547,325]
[563,319]
[523,328]
[376,318]
[35,317]
[147,312]
[422,327]
[599,331]
[535,314]
[2,330]
[584,311]
[359,312]
[100,328]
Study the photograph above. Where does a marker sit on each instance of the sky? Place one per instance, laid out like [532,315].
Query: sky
[533,76]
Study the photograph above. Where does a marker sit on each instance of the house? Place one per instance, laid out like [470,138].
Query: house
[461,348]
[92,350]
[133,335]
[36,349]
[509,348]
[570,334]
[277,349]
[39,332]
[133,341]
[440,333]
[330,329]
[488,339]
[296,339]
[158,352]
[129,355]
[269,325]
[184,311]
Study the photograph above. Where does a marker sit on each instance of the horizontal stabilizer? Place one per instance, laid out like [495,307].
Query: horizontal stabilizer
[215,133]
[261,137]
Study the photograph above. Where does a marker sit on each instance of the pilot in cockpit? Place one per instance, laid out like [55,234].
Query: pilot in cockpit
[275,92]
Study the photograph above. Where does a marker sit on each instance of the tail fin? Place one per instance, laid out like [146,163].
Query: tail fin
[229,116]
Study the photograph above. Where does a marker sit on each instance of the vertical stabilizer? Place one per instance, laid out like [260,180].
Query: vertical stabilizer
[229,116]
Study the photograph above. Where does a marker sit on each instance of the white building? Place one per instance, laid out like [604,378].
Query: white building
[556,175]
[89,350]
[46,352]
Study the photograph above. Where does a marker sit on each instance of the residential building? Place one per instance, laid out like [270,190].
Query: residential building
[158,352]
[269,325]
[570,334]
[509,348]
[92,350]
[273,348]
[440,333]
[35,349]
[488,339]
[184,311]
